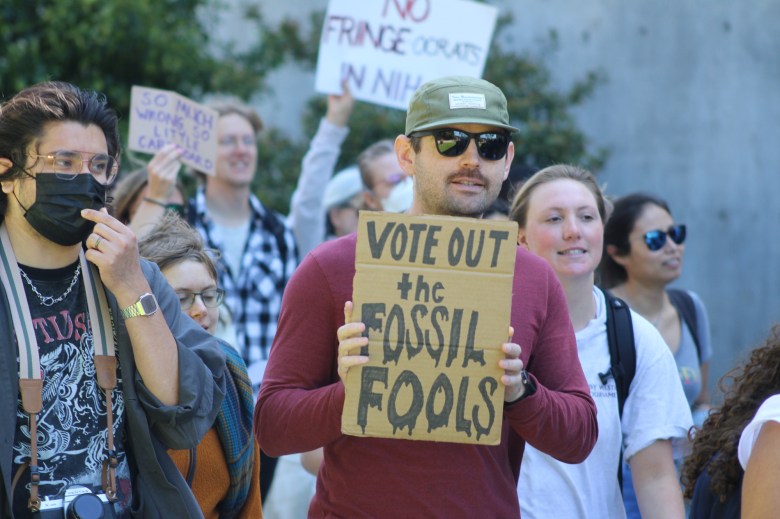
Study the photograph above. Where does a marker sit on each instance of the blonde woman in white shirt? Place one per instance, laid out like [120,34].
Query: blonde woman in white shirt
[561,212]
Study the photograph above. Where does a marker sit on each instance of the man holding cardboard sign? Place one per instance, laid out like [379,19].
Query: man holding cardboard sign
[317,358]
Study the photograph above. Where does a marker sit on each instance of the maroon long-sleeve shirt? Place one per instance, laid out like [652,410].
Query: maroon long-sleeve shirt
[302,397]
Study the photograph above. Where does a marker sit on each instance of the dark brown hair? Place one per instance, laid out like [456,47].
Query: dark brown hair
[24,117]
[626,211]
[127,190]
[715,444]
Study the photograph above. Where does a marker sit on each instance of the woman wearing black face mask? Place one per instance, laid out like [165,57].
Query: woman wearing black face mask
[93,376]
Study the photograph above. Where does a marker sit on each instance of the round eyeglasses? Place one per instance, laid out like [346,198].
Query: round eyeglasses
[211,297]
[66,164]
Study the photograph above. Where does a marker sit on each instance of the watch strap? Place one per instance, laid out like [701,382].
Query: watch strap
[133,310]
[137,309]
[530,387]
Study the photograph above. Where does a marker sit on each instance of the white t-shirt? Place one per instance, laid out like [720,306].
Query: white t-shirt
[768,412]
[656,409]
[233,240]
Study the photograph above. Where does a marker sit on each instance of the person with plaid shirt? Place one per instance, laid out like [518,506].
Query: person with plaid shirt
[258,249]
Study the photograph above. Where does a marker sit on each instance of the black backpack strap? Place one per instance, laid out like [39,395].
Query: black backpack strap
[622,355]
[683,303]
[622,351]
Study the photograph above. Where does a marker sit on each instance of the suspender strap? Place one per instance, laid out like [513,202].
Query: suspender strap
[32,400]
[105,363]
[30,381]
[106,376]
[29,363]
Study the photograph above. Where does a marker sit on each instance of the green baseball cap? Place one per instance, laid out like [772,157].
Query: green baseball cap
[457,100]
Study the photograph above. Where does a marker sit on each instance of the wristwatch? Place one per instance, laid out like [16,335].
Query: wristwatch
[146,305]
[530,387]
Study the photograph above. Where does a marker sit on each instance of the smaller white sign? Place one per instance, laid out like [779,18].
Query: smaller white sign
[158,117]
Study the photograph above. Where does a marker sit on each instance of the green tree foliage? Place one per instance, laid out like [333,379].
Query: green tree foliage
[110,45]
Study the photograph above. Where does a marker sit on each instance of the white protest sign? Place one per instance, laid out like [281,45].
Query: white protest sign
[386,49]
[158,117]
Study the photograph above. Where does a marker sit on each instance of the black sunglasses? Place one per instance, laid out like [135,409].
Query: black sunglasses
[656,239]
[451,142]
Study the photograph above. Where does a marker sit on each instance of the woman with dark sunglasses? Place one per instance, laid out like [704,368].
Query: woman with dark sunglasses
[142,197]
[644,253]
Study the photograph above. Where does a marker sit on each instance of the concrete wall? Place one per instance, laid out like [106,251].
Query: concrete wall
[690,111]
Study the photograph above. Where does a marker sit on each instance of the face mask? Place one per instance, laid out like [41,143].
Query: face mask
[400,197]
[56,213]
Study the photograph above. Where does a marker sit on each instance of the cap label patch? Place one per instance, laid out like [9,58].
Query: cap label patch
[466,100]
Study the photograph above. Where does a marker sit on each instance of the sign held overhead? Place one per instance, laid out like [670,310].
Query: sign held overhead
[386,49]
[158,117]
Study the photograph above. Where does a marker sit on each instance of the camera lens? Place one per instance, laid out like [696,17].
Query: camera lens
[86,506]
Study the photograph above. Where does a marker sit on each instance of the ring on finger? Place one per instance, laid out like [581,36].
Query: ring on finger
[97,242]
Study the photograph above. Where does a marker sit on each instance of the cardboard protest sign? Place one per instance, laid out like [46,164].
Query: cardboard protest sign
[158,117]
[435,294]
[386,49]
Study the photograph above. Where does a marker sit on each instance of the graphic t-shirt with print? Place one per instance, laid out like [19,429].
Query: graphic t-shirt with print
[71,430]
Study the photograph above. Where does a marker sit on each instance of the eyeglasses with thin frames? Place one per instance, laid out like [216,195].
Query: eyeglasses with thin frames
[655,240]
[66,164]
[451,142]
[233,140]
[211,297]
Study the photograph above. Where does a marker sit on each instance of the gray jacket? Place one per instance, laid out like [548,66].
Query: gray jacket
[159,490]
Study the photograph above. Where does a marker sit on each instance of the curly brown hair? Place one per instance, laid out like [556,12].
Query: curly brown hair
[715,444]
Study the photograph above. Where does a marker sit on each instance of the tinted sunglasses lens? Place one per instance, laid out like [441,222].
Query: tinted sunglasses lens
[451,143]
[655,240]
[178,209]
[492,146]
[677,233]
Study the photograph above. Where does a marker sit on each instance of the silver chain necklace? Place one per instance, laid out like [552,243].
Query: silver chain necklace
[50,300]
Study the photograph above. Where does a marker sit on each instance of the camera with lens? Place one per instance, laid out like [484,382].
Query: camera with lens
[77,502]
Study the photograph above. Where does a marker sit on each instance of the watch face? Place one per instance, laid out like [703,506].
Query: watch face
[149,304]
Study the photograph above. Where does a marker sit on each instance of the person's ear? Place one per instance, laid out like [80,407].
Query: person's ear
[7,185]
[522,239]
[5,165]
[616,256]
[510,155]
[405,154]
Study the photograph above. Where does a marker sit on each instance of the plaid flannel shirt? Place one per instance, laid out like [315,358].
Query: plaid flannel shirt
[253,295]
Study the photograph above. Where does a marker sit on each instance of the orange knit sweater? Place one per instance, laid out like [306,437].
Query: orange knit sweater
[212,480]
